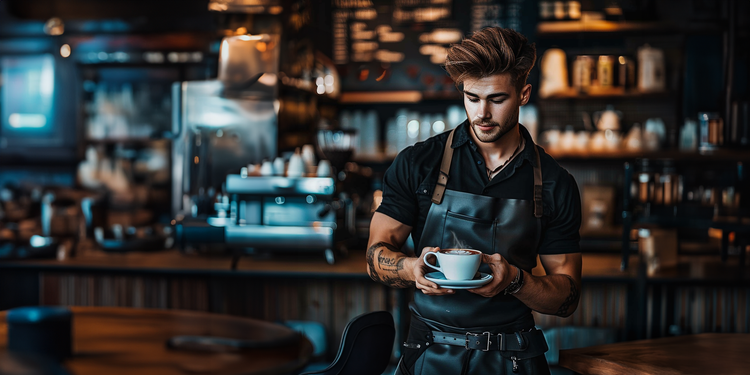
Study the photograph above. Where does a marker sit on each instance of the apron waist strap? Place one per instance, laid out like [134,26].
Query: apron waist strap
[512,342]
[524,323]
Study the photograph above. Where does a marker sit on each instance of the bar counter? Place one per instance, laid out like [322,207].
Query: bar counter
[171,261]
[305,287]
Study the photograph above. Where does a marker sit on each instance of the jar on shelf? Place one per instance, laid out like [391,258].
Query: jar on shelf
[645,183]
[670,185]
[605,68]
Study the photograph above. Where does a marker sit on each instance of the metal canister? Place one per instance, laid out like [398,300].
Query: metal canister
[605,71]
[583,69]
[711,131]
[625,72]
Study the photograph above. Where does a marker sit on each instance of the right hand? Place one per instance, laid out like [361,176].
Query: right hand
[419,269]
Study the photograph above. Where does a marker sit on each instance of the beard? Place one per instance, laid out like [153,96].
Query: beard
[498,130]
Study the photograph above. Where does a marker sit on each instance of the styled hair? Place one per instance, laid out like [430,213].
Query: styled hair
[491,51]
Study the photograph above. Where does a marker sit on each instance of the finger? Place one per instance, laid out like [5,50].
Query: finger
[483,291]
[430,249]
[434,291]
[438,292]
[421,280]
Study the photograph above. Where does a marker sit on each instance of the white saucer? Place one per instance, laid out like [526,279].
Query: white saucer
[439,279]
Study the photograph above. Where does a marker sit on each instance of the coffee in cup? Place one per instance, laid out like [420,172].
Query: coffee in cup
[456,264]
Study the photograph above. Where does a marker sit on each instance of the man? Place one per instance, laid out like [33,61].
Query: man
[487,186]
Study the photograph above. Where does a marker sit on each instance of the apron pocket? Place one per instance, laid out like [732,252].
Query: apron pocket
[463,231]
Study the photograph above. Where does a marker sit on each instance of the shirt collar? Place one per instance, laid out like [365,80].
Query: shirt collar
[462,137]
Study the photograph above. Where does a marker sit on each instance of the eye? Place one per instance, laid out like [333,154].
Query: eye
[472,99]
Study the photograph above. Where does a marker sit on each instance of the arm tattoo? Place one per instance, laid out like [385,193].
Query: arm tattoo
[571,300]
[389,266]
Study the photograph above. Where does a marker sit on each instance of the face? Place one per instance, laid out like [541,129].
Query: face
[492,105]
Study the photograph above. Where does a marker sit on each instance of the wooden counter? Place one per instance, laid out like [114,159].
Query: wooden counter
[709,353]
[595,266]
[174,262]
[305,287]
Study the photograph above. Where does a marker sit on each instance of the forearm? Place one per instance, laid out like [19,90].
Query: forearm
[556,294]
[387,265]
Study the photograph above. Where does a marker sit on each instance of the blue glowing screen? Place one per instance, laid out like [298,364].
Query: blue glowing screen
[27,88]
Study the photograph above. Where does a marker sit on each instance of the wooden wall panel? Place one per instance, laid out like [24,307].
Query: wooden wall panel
[704,309]
[601,305]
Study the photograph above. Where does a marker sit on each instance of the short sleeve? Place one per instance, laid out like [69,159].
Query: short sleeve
[561,234]
[399,187]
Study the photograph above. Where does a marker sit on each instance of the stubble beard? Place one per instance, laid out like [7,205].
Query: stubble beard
[497,132]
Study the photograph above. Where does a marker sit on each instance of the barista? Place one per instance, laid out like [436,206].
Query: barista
[489,186]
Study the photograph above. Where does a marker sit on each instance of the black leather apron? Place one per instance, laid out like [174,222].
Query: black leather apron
[510,227]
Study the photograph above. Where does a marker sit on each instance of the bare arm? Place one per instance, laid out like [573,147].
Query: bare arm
[559,290]
[385,261]
[556,293]
[386,264]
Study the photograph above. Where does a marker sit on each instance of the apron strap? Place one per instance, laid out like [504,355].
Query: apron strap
[538,209]
[445,167]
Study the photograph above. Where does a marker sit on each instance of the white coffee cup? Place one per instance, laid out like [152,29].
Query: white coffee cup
[324,168]
[279,166]
[296,167]
[266,169]
[456,264]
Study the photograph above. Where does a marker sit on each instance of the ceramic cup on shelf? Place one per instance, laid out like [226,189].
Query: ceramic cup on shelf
[279,165]
[324,168]
[266,169]
[554,73]
[308,156]
[296,166]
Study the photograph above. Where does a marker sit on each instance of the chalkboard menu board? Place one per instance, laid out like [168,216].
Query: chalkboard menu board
[387,45]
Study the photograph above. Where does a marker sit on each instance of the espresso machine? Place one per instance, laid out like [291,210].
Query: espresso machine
[225,126]
[268,214]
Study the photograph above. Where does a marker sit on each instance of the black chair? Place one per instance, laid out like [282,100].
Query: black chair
[366,346]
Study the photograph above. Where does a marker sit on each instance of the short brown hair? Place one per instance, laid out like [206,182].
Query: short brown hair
[490,51]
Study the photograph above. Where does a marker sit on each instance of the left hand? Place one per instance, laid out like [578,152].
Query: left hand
[502,275]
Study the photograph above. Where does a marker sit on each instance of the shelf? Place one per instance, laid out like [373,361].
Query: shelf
[600,26]
[609,93]
[741,225]
[405,96]
[124,140]
[719,155]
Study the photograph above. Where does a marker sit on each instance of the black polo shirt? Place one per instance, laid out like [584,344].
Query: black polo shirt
[409,182]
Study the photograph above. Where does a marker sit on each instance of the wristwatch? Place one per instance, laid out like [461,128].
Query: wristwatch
[516,284]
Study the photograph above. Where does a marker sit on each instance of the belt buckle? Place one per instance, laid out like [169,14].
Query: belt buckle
[489,340]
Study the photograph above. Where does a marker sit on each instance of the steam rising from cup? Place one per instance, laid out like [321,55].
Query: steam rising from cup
[458,244]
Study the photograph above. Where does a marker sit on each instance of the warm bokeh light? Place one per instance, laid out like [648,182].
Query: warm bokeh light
[65,50]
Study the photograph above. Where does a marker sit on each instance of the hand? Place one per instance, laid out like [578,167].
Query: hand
[427,287]
[502,275]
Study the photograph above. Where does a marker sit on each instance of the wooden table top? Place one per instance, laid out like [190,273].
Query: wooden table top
[707,353]
[109,340]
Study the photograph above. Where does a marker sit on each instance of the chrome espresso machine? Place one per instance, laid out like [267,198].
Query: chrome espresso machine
[267,214]
[225,126]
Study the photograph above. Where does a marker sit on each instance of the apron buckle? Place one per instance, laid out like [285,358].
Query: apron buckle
[477,337]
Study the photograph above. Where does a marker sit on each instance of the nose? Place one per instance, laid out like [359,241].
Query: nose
[483,111]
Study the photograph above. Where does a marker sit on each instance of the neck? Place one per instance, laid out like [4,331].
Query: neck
[497,152]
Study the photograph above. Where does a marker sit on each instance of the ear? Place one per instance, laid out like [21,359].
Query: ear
[525,94]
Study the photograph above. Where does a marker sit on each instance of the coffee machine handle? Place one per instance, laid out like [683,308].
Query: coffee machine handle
[47,214]
[324,211]
[88,215]
[177,114]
